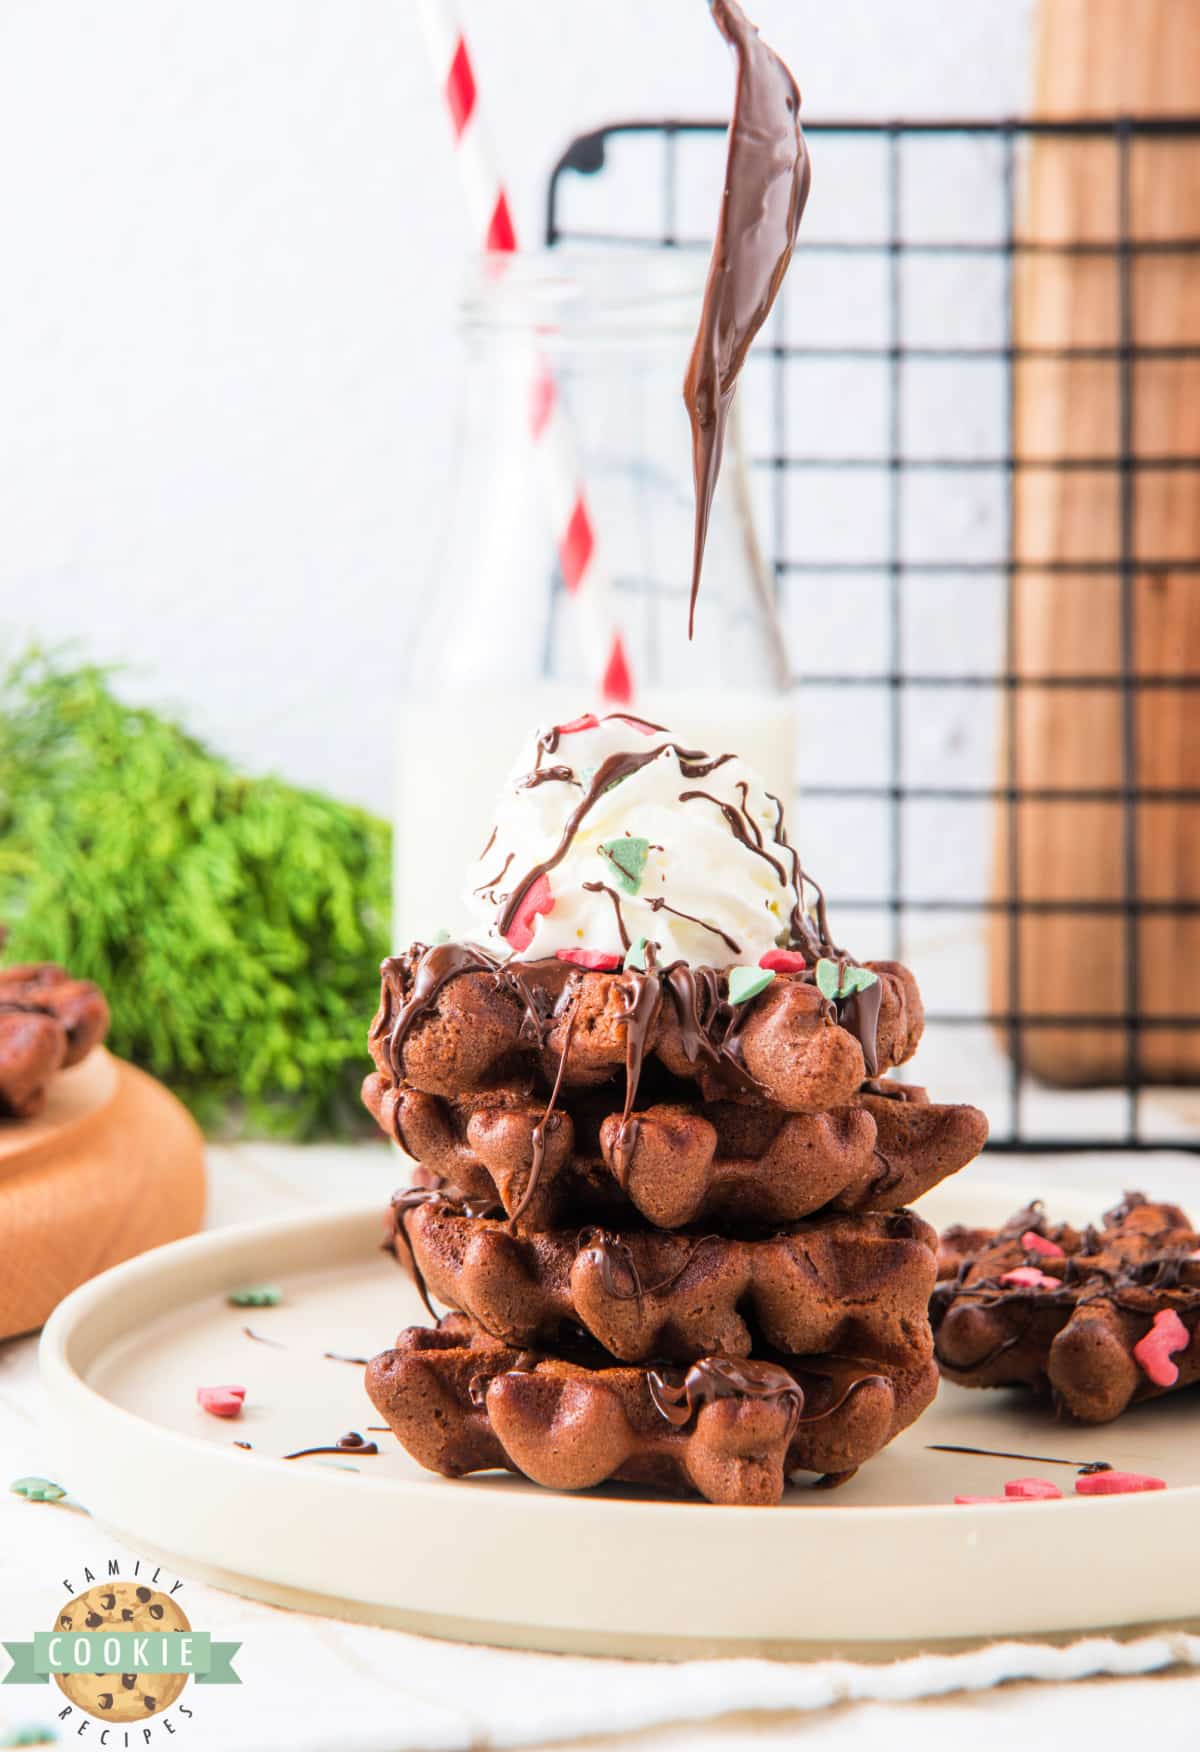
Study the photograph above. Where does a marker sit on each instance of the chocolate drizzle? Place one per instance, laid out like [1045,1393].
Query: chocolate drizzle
[610,772]
[859,1016]
[431,969]
[642,995]
[658,904]
[603,888]
[767,177]
[737,819]
[619,1275]
[546,775]
[492,881]
[548,1122]
[718,1377]
[1084,1466]
[350,1443]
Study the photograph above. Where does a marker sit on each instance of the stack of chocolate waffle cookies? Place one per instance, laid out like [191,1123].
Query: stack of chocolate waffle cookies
[664,1197]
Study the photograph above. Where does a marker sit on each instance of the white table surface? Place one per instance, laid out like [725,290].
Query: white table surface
[318,1685]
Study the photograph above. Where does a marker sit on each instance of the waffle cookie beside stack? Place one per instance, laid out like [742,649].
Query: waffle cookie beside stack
[661,1172]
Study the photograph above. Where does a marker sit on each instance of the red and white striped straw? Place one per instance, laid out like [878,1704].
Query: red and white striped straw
[588,582]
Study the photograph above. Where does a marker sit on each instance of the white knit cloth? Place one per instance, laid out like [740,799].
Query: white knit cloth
[318,1685]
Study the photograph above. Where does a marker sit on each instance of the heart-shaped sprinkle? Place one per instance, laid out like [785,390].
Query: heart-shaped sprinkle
[746,983]
[221,1401]
[255,1296]
[635,958]
[1032,1490]
[628,857]
[1153,1353]
[1116,1483]
[593,959]
[1032,1242]
[536,899]
[1028,1277]
[783,961]
[37,1490]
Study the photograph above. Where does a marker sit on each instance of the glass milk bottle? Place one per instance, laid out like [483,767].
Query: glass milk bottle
[563,584]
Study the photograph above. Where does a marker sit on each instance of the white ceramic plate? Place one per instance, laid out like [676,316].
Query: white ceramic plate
[885,1561]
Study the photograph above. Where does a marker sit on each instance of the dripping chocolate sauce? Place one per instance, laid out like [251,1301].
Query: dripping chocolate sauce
[767,176]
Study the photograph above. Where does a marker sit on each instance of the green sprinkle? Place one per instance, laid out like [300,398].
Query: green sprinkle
[442,936]
[827,979]
[37,1490]
[854,979]
[746,983]
[628,856]
[857,979]
[636,957]
[255,1296]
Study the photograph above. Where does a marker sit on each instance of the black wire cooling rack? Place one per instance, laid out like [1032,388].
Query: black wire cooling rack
[913,267]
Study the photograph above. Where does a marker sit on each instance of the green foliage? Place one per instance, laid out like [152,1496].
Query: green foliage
[236,925]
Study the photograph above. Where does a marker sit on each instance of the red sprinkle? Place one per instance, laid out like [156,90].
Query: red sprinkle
[1031,1490]
[536,899]
[1028,1277]
[1116,1483]
[1153,1353]
[1032,1242]
[221,1401]
[595,959]
[589,721]
[783,961]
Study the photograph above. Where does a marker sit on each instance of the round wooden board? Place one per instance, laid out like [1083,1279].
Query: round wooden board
[113,1166]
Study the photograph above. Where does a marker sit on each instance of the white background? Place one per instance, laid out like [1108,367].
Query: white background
[232,237]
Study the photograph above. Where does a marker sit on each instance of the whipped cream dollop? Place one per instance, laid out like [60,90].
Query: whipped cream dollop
[610,831]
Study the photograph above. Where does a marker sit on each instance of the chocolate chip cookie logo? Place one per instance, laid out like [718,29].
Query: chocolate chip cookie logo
[122,1651]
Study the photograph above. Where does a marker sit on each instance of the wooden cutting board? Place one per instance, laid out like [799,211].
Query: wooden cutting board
[115,1165]
[1105,58]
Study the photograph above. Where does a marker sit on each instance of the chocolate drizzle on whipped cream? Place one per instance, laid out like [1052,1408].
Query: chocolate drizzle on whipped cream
[767,176]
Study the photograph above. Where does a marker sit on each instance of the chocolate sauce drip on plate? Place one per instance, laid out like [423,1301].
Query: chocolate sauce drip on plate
[1005,1454]
[767,176]
[350,1443]
[341,1357]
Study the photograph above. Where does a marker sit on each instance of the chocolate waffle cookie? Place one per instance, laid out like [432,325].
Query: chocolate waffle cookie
[47,1021]
[454,1019]
[840,1283]
[728,1428]
[1099,1318]
[679,1160]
